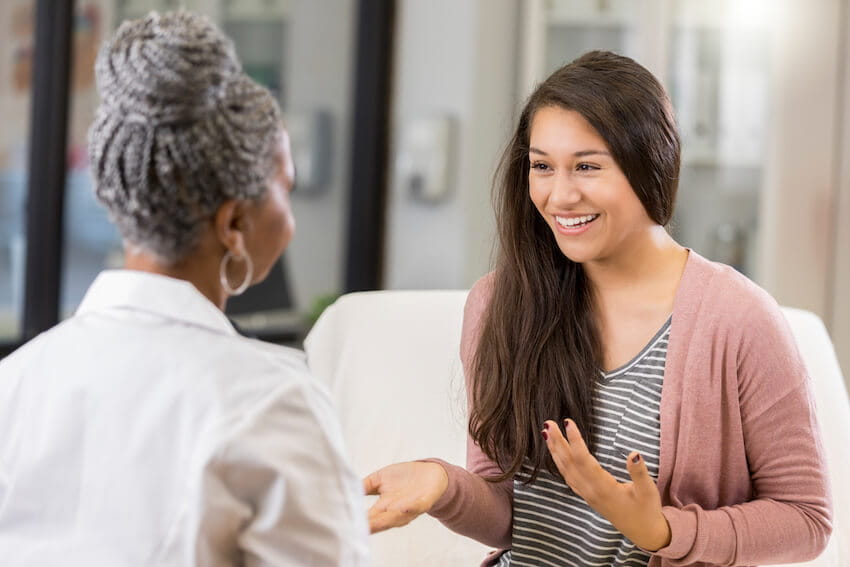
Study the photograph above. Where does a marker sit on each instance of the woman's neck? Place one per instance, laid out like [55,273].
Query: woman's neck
[653,257]
[198,270]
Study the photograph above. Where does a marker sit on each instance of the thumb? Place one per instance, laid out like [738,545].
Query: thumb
[372,484]
[643,483]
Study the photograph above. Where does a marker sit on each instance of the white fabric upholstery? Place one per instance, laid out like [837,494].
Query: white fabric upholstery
[391,361]
[833,409]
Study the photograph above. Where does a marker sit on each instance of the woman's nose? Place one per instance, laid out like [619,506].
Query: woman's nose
[565,191]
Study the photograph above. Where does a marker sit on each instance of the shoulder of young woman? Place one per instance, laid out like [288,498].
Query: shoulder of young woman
[473,312]
[719,292]
[480,293]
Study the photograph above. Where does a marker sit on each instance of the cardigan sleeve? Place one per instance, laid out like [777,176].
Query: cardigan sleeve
[789,516]
[473,506]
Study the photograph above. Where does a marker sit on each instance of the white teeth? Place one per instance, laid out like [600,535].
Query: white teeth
[575,221]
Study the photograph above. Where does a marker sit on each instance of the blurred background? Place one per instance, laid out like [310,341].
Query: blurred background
[398,111]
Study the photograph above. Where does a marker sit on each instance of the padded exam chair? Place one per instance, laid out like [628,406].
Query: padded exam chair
[391,362]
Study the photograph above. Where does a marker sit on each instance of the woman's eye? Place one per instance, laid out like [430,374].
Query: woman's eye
[586,167]
[539,166]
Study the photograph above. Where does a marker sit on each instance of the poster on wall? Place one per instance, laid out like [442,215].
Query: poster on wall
[17,34]
[21,46]
[87,35]
[17,57]
[86,38]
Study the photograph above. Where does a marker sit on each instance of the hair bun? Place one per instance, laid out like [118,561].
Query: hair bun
[179,130]
[165,68]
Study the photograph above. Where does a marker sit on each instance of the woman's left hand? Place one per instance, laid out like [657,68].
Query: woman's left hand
[634,508]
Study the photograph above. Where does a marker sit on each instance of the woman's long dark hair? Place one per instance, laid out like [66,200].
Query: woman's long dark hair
[539,352]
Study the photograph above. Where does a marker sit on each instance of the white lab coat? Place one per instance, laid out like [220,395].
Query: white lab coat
[145,431]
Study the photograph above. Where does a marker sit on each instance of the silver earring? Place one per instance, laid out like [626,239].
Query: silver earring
[222,273]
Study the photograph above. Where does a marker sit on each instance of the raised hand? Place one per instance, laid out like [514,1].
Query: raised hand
[634,508]
[405,491]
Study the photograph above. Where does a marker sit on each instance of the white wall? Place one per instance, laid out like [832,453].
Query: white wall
[805,245]
[800,187]
[839,322]
[319,75]
[456,58]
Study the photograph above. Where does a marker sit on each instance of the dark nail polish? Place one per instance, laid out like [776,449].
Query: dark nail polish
[566,424]
[545,436]
[636,458]
[545,426]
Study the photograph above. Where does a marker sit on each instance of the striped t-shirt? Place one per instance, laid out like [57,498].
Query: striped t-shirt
[552,526]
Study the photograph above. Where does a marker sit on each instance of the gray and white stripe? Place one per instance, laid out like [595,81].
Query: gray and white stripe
[554,527]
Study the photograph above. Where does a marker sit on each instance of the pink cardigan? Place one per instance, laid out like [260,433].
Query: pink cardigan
[742,474]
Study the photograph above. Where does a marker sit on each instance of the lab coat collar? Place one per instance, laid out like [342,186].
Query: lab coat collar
[164,296]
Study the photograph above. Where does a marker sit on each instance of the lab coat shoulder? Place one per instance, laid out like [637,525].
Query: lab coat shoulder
[286,461]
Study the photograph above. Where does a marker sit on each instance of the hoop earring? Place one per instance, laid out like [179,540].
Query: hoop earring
[222,273]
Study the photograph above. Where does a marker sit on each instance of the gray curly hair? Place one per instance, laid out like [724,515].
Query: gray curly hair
[179,130]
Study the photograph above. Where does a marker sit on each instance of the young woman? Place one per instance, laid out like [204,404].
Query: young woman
[631,403]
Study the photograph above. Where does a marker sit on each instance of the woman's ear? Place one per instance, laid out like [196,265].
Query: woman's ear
[229,224]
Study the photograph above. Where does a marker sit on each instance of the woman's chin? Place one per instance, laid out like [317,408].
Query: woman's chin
[579,255]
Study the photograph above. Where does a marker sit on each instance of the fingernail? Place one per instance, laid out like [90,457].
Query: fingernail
[545,426]
[545,435]
[636,458]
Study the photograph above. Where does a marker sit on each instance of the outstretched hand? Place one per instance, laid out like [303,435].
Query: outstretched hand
[405,491]
[634,508]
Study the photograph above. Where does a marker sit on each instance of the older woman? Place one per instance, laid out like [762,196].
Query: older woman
[144,430]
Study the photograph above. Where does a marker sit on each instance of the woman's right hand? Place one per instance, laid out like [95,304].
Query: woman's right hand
[405,491]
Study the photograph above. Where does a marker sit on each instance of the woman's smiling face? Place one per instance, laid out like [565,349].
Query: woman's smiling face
[579,189]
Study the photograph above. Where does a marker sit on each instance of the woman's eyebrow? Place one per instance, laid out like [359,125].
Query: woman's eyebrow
[584,153]
[580,153]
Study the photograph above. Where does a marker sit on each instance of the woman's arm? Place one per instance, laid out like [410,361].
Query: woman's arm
[788,515]
[460,498]
[282,488]
[471,505]
[789,518]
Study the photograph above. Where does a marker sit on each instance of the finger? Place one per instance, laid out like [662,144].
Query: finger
[380,520]
[641,479]
[383,516]
[558,448]
[553,437]
[574,437]
[373,516]
[371,485]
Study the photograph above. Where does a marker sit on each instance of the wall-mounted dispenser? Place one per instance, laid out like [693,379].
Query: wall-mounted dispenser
[424,158]
[310,137]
